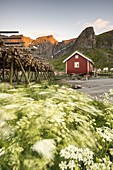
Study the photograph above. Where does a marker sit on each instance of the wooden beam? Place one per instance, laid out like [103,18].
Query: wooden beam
[8,32]
[14,42]
[10,38]
[26,78]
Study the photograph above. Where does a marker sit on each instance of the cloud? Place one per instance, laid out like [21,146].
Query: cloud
[100,25]
[78,23]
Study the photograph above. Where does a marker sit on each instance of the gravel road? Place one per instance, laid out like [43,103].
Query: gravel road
[94,87]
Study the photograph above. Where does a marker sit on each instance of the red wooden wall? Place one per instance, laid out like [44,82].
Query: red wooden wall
[85,66]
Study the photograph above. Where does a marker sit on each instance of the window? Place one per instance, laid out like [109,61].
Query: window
[76,64]
[76,56]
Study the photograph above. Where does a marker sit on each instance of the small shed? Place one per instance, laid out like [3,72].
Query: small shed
[77,63]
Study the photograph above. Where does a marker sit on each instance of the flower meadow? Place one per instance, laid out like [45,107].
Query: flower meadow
[52,127]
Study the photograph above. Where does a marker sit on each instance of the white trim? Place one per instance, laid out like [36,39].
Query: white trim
[66,67]
[79,54]
[87,67]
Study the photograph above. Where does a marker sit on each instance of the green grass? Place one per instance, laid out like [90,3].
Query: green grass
[58,63]
[101,57]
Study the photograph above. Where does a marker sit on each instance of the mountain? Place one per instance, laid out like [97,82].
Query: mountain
[98,47]
[26,40]
[43,46]
[45,39]
[105,40]
[48,47]
[86,39]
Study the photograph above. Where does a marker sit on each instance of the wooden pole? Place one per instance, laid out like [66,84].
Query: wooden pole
[11,71]
[29,73]
[37,76]
[3,56]
[26,78]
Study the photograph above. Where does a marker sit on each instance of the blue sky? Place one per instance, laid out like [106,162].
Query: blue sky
[64,19]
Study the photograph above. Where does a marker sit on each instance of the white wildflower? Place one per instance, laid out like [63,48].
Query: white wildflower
[63,165]
[71,164]
[46,147]
[78,155]
[105,133]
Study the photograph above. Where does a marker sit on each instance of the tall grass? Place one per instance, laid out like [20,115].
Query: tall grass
[40,122]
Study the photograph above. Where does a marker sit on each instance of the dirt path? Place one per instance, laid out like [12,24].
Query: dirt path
[94,87]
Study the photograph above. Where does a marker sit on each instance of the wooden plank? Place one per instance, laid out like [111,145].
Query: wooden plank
[14,42]
[8,38]
[8,32]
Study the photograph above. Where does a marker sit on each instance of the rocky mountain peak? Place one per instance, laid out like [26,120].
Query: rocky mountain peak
[68,41]
[26,40]
[45,39]
[43,46]
[86,39]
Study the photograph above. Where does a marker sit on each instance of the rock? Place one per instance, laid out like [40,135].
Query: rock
[74,86]
[79,86]
[63,47]
[43,46]
[86,39]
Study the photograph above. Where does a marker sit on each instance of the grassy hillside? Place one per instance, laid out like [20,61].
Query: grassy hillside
[105,40]
[58,62]
[101,57]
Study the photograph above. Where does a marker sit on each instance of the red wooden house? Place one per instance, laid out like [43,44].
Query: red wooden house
[78,63]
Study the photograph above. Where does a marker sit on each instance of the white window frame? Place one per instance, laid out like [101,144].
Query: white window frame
[76,64]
